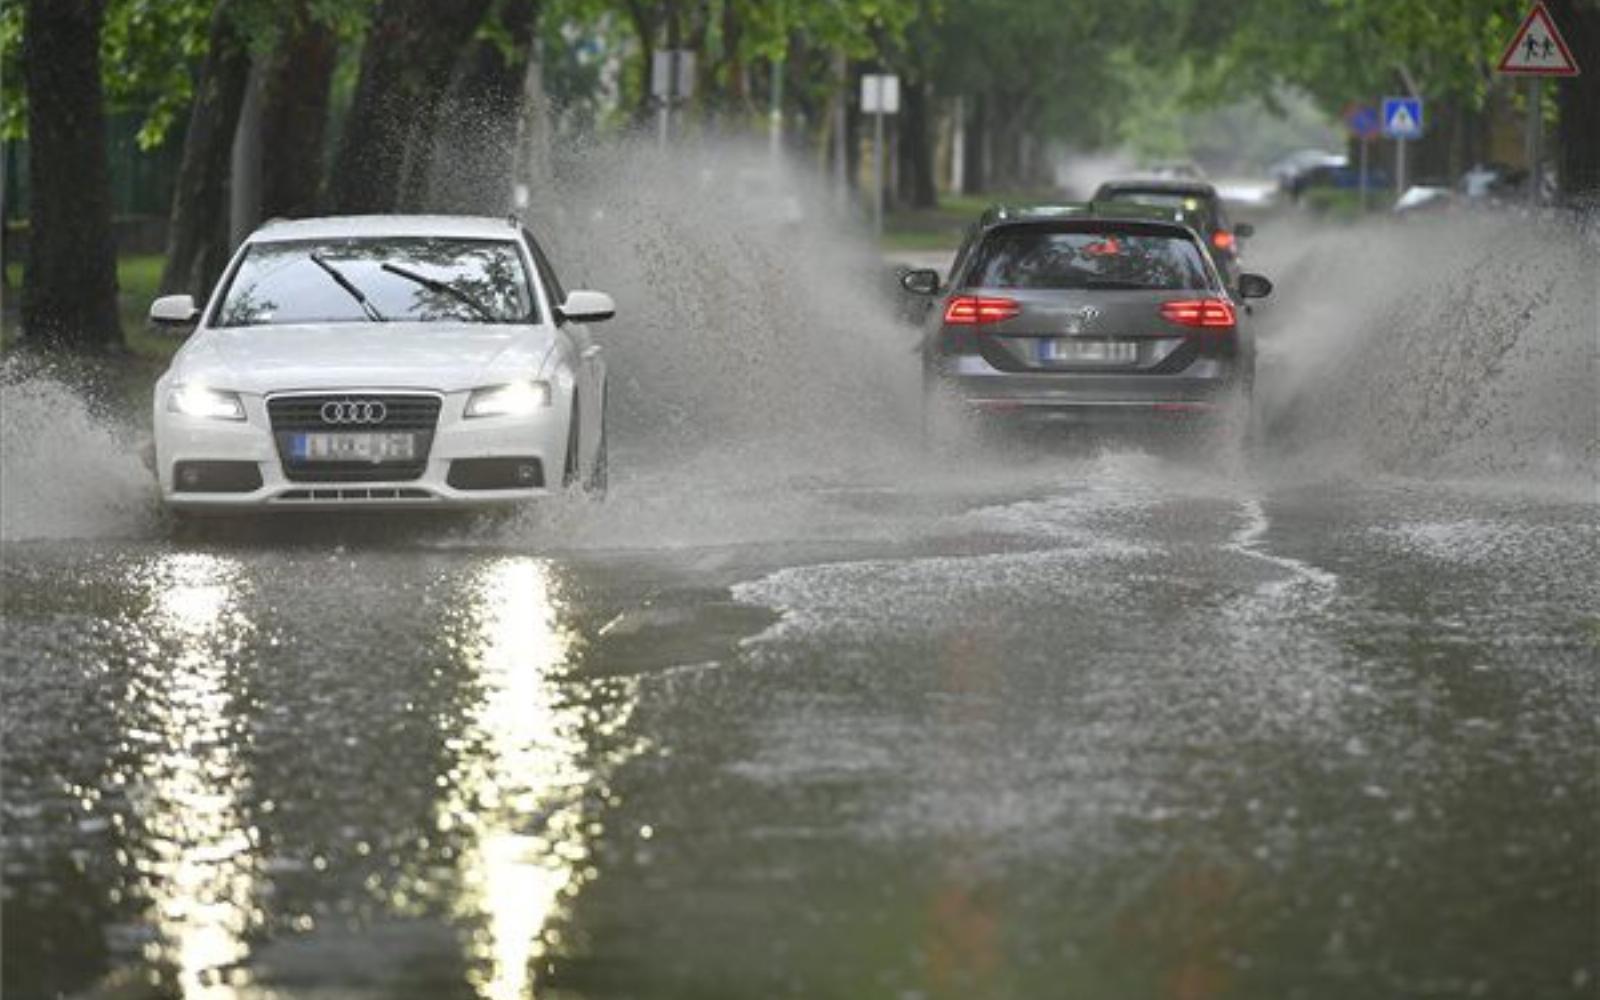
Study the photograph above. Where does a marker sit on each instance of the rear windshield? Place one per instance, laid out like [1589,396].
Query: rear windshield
[1114,259]
[412,279]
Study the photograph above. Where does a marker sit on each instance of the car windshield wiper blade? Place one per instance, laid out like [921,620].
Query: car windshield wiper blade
[436,285]
[1106,285]
[349,286]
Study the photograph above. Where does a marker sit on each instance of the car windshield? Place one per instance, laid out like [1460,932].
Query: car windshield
[1100,259]
[408,279]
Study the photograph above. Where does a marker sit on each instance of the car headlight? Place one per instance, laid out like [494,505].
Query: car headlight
[199,401]
[518,399]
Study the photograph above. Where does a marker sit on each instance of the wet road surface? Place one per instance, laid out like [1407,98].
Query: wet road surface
[1114,722]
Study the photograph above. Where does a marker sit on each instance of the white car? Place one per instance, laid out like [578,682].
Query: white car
[382,361]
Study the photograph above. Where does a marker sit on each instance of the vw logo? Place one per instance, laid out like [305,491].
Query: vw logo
[1080,318]
[354,411]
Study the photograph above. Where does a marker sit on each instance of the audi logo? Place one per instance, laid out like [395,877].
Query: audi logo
[354,411]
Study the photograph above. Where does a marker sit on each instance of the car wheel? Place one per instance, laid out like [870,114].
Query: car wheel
[569,469]
[599,478]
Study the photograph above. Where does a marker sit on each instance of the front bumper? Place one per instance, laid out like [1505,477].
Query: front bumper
[180,439]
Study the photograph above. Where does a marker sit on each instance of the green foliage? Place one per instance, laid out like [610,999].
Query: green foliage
[13,103]
[150,52]
[1348,50]
[147,51]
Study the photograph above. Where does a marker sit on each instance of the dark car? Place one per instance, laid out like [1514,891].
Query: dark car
[1194,196]
[1086,311]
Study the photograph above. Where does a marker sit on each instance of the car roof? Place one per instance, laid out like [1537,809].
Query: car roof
[1087,211]
[479,227]
[1161,185]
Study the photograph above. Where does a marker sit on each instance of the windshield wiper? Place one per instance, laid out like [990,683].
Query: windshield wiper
[434,284]
[345,283]
[1110,285]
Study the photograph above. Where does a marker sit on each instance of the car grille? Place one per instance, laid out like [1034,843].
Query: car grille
[354,493]
[414,413]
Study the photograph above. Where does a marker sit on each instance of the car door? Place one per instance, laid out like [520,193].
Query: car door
[590,367]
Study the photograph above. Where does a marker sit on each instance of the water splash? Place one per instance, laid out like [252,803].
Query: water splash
[1457,347]
[751,314]
[67,470]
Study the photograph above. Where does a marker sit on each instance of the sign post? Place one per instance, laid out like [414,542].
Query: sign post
[1402,122]
[1536,51]
[1364,124]
[880,95]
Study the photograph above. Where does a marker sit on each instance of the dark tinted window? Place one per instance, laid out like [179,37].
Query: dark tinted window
[1044,258]
[466,281]
[1198,207]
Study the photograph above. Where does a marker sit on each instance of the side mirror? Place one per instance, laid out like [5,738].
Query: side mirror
[587,307]
[1244,230]
[1254,286]
[921,282]
[174,310]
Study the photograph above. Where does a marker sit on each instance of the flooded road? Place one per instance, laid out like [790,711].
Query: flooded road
[808,720]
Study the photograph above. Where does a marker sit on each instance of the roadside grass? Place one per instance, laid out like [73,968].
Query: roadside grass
[1344,205]
[941,228]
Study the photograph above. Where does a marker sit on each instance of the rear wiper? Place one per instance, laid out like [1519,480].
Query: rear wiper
[345,283]
[1107,285]
[434,284]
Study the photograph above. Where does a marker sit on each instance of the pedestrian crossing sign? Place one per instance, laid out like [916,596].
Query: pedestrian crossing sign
[1402,117]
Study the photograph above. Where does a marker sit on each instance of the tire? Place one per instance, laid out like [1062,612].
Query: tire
[570,465]
[599,478]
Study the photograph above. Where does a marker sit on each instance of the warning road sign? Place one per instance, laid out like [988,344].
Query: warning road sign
[1402,117]
[1537,49]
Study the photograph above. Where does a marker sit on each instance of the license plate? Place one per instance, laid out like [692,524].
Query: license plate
[1061,350]
[353,447]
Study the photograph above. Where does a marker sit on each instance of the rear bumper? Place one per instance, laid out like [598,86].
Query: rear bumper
[1203,388]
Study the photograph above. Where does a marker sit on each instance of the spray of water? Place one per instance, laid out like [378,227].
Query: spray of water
[1455,347]
[763,387]
[68,468]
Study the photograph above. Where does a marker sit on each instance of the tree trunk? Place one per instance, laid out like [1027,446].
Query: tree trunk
[916,149]
[69,288]
[1578,100]
[294,117]
[479,126]
[197,232]
[974,162]
[410,53]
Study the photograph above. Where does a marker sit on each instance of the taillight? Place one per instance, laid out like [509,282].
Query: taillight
[1210,314]
[1222,239]
[976,310]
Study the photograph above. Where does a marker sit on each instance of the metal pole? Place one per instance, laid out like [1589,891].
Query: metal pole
[1535,128]
[775,116]
[841,129]
[877,169]
[1366,144]
[1400,166]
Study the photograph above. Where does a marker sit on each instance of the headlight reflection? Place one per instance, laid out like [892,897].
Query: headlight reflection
[197,864]
[516,794]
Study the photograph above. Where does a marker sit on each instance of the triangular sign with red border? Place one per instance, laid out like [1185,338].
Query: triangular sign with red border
[1538,49]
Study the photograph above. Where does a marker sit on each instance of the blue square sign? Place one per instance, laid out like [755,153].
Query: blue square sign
[1402,117]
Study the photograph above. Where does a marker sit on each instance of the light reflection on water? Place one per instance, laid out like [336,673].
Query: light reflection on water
[517,794]
[199,869]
